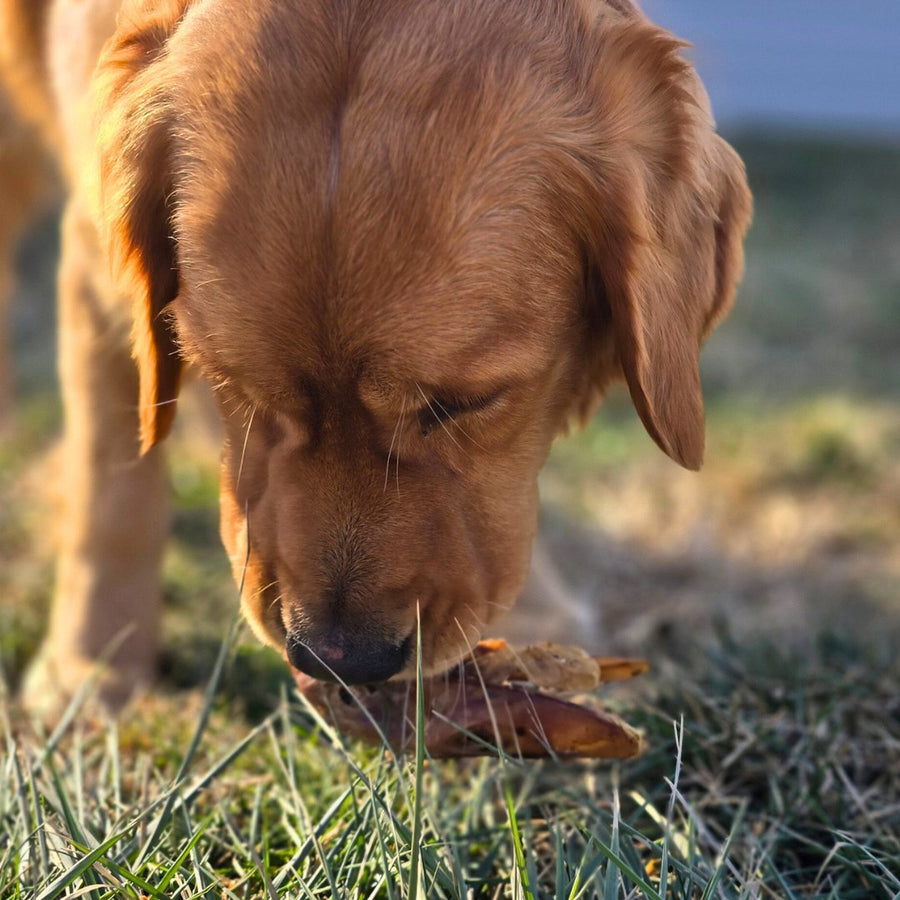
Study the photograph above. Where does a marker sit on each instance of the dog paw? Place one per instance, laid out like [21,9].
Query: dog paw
[52,687]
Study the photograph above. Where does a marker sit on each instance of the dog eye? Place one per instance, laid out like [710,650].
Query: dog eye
[442,409]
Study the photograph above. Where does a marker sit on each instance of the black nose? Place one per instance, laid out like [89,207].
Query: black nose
[339,655]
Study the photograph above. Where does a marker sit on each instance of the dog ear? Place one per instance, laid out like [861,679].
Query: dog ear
[670,210]
[133,195]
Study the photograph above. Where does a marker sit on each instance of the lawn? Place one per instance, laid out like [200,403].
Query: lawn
[765,591]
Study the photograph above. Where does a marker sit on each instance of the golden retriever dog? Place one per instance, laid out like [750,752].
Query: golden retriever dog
[406,243]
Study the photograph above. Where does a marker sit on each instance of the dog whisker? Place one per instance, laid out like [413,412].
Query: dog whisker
[478,621]
[505,607]
[399,442]
[261,590]
[244,448]
[456,425]
[438,418]
[246,551]
[461,665]
[475,627]
[481,681]
[394,437]
[467,642]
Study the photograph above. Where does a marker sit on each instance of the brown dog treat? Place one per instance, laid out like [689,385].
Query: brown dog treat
[484,704]
[620,668]
[551,667]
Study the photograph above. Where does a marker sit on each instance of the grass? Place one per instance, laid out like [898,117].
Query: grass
[764,591]
[775,782]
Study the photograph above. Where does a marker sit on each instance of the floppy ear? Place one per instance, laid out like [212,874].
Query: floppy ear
[134,194]
[671,206]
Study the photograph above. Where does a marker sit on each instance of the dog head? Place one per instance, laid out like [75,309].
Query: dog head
[406,251]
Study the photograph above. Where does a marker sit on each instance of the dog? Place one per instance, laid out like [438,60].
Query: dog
[407,244]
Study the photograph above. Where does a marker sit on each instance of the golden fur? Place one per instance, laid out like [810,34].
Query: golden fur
[406,243]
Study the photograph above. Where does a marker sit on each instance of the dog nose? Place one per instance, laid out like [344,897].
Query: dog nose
[340,655]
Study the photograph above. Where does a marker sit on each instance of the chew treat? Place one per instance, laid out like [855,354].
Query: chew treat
[498,696]
[551,667]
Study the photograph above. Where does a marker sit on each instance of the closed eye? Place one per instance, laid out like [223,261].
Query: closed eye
[439,410]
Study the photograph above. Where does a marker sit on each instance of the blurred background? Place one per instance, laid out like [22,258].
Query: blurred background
[822,68]
[792,529]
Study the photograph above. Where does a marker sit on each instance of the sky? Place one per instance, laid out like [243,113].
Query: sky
[816,65]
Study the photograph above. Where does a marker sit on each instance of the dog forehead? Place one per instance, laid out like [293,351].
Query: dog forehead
[355,148]
[334,213]
[318,268]
[474,323]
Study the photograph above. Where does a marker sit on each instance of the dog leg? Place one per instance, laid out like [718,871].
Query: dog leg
[106,608]
[23,185]
[7,248]
[551,608]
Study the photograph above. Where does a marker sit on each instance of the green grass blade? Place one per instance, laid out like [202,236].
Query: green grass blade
[649,891]
[310,844]
[723,854]
[209,696]
[179,860]
[518,847]
[84,692]
[56,888]
[415,876]
[40,836]
[611,890]
[670,809]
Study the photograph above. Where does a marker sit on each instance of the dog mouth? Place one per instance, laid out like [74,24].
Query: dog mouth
[373,643]
[371,654]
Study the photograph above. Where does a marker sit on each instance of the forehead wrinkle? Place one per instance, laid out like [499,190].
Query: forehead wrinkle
[482,271]
[231,336]
[450,306]
[484,356]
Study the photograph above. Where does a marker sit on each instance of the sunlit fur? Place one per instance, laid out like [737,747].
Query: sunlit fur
[350,216]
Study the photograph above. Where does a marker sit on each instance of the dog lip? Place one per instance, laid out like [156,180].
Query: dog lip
[406,650]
